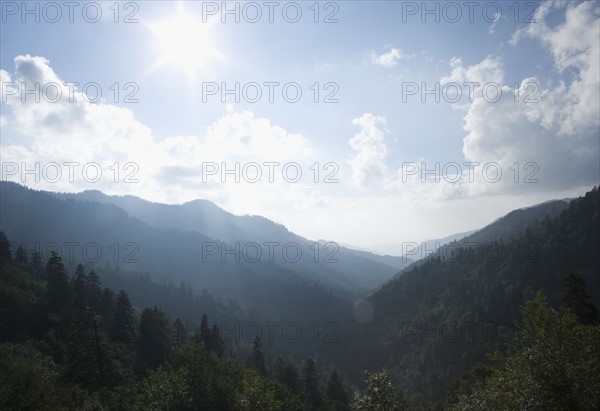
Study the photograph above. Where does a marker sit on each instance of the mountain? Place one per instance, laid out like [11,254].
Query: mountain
[354,272]
[444,313]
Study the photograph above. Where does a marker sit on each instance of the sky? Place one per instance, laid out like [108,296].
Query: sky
[368,123]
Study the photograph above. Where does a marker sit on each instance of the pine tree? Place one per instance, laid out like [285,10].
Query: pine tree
[5,253]
[578,300]
[123,325]
[79,280]
[21,255]
[93,292]
[257,357]
[215,343]
[59,290]
[204,331]
[338,398]
[380,394]
[312,397]
[107,309]
[180,336]
[287,374]
[154,344]
[89,359]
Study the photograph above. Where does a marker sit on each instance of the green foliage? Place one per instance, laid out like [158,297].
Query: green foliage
[59,290]
[27,378]
[257,357]
[258,394]
[154,344]
[578,300]
[312,396]
[337,396]
[165,390]
[123,324]
[552,363]
[381,394]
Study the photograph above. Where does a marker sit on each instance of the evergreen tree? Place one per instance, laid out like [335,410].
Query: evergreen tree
[287,374]
[257,357]
[312,397]
[380,394]
[5,253]
[107,309]
[79,296]
[578,300]
[204,330]
[338,398]
[21,255]
[123,325]
[59,290]
[90,361]
[154,344]
[180,336]
[93,292]
[215,343]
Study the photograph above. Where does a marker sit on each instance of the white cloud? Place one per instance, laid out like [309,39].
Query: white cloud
[389,59]
[556,129]
[368,162]
[68,130]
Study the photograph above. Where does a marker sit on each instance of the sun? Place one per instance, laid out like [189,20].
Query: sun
[185,41]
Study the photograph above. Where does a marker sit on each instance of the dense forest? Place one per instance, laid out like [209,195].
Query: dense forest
[507,324]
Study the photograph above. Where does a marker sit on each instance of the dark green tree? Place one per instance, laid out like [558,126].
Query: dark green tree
[123,325]
[337,396]
[59,290]
[312,396]
[154,343]
[5,252]
[578,300]
[180,336]
[21,255]
[552,363]
[256,360]
[93,289]
[381,394]
[214,342]
[107,309]
[287,374]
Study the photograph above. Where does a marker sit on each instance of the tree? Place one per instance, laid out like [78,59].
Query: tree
[337,395]
[93,291]
[287,374]
[154,344]
[123,325]
[90,361]
[312,397]
[551,363]
[59,290]
[21,255]
[165,389]
[5,253]
[215,343]
[79,295]
[578,300]
[257,357]
[107,309]
[204,331]
[380,394]
[27,378]
[180,336]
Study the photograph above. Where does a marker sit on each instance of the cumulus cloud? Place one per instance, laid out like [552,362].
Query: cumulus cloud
[389,59]
[550,134]
[368,162]
[72,129]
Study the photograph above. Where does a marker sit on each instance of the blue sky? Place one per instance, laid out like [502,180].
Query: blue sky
[370,139]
